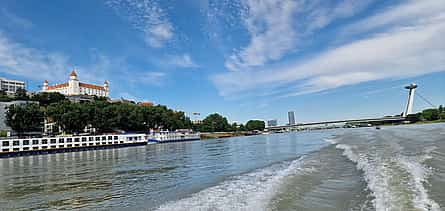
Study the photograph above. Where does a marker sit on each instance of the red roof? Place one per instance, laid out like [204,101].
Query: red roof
[145,103]
[57,86]
[73,73]
[91,86]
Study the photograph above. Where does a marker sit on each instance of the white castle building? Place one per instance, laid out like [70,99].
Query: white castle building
[75,87]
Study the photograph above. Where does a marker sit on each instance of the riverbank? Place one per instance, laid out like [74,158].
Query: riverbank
[214,135]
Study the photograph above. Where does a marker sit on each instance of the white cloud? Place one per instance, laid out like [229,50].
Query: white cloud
[146,16]
[16,20]
[184,61]
[407,50]
[156,35]
[16,59]
[276,27]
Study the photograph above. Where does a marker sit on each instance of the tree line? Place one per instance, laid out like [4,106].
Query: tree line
[431,114]
[103,116]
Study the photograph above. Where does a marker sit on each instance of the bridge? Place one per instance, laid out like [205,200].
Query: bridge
[408,110]
[352,121]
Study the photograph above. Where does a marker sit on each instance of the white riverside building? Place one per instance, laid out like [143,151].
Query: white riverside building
[11,86]
[29,146]
[74,87]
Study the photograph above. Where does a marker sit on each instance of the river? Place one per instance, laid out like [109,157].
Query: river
[395,168]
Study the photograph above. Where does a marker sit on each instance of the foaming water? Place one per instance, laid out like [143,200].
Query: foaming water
[251,191]
[393,165]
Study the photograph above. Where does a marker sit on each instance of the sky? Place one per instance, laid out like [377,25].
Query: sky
[244,59]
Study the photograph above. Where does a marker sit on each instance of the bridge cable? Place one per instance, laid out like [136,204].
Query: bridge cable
[426,100]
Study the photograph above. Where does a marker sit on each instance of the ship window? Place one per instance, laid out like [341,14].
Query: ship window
[84,144]
[69,145]
[84,139]
[53,147]
[97,138]
[115,137]
[104,138]
[35,141]
[44,147]
[25,142]
[35,148]
[25,148]
[90,139]
[5,150]
[15,143]
[15,149]
[76,145]
[69,140]
[110,137]
[76,139]
[61,140]
[44,141]
[5,143]
[53,141]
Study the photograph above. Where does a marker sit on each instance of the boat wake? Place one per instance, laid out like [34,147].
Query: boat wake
[395,179]
[251,191]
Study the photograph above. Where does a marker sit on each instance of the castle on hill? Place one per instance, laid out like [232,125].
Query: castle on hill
[74,87]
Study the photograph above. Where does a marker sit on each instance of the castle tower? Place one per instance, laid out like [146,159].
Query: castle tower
[45,85]
[73,84]
[409,105]
[106,87]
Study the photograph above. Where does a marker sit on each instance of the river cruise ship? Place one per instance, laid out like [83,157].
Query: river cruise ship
[166,136]
[30,146]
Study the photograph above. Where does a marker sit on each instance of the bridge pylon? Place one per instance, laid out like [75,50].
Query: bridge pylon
[409,104]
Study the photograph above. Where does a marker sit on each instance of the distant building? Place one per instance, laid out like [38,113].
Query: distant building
[11,86]
[146,104]
[291,116]
[272,123]
[197,121]
[74,87]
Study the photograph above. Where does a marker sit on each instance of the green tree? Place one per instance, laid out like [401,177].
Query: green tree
[441,110]
[71,117]
[215,123]
[46,98]
[430,114]
[4,97]
[25,118]
[20,94]
[255,125]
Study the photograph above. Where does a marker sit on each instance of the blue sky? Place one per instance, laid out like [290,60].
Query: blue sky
[245,59]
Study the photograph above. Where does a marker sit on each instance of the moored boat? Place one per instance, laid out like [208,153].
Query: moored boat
[168,136]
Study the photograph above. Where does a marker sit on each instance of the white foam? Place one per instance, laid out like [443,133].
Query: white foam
[378,172]
[251,191]
[331,141]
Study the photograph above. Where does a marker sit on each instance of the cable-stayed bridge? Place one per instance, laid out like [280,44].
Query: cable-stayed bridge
[393,119]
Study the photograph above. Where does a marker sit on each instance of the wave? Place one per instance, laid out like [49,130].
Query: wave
[251,191]
[396,181]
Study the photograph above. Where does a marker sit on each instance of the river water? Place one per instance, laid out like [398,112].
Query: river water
[395,168]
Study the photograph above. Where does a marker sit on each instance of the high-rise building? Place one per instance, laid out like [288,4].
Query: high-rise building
[11,86]
[291,116]
[272,122]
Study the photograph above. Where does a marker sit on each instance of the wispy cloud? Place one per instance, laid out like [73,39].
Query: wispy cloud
[183,61]
[15,20]
[276,27]
[16,59]
[402,50]
[146,16]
